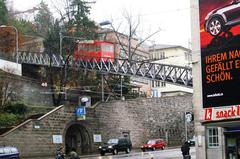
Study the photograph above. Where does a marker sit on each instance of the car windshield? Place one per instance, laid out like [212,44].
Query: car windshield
[112,141]
[151,142]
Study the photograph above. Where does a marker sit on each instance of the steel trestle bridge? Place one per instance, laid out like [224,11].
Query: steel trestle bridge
[177,75]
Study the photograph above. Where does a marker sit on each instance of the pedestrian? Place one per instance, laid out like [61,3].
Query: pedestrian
[73,154]
[185,150]
[60,153]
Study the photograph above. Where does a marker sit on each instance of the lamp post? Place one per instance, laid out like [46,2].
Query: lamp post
[60,43]
[61,37]
[10,26]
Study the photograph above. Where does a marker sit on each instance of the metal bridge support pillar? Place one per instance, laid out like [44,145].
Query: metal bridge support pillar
[102,88]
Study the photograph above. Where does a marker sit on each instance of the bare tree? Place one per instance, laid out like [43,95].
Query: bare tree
[132,26]
[8,87]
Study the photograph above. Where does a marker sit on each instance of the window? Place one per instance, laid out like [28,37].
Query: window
[103,47]
[123,54]
[91,48]
[111,48]
[157,83]
[159,55]
[212,134]
[153,83]
[7,150]
[107,48]
[163,84]
[162,55]
[97,48]
[188,56]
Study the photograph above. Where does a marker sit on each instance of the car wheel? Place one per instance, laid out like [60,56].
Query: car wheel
[163,147]
[115,152]
[102,153]
[215,26]
[128,150]
[153,148]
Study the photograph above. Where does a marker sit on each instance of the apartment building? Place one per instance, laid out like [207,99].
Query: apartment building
[172,55]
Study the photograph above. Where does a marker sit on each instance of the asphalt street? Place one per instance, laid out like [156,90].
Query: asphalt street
[171,153]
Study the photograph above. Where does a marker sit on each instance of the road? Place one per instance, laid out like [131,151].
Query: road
[171,153]
[159,154]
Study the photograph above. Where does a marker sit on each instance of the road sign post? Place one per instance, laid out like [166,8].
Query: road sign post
[81,113]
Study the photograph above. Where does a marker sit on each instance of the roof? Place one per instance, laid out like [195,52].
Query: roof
[163,46]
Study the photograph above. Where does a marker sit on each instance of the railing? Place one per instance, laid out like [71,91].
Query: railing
[177,75]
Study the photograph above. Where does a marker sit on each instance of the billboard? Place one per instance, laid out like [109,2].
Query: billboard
[220,52]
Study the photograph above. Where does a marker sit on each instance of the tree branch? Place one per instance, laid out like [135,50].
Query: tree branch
[139,44]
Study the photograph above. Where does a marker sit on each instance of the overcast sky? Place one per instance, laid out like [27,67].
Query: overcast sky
[171,16]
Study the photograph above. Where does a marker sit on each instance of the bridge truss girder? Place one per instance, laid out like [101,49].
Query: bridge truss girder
[177,75]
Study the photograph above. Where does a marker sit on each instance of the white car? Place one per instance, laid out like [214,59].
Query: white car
[223,18]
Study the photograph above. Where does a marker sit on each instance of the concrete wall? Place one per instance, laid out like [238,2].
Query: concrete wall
[11,67]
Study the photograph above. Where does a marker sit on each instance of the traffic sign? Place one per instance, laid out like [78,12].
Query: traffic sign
[189,116]
[81,113]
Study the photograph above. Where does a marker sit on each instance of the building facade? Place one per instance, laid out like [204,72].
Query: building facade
[216,104]
[172,55]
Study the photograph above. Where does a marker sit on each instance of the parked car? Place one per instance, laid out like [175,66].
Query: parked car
[8,152]
[116,145]
[154,144]
[192,141]
[223,18]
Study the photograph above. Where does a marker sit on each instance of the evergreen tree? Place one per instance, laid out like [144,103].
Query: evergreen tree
[84,27]
[77,25]
[3,13]
[24,27]
[51,42]
[44,20]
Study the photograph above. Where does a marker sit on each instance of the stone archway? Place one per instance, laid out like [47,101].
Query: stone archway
[78,137]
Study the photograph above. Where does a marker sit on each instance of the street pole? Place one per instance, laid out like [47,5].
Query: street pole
[185,123]
[60,43]
[16,42]
[102,88]
[121,87]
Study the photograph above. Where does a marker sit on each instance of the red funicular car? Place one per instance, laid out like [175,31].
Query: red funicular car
[154,144]
[94,50]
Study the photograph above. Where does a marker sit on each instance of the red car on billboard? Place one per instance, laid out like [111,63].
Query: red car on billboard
[154,144]
[223,18]
[219,37]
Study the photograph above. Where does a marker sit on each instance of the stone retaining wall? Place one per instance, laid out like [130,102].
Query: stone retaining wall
[142,118]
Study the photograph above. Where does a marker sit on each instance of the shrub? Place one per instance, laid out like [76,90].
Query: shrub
[8,119]
[18,108]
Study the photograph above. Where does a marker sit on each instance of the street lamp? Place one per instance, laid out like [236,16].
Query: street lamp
[65,36]
[107,22]
[10,26]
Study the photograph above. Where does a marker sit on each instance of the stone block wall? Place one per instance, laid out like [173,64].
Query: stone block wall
[146,119]
[32,141]
[28,91]
[143,118]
